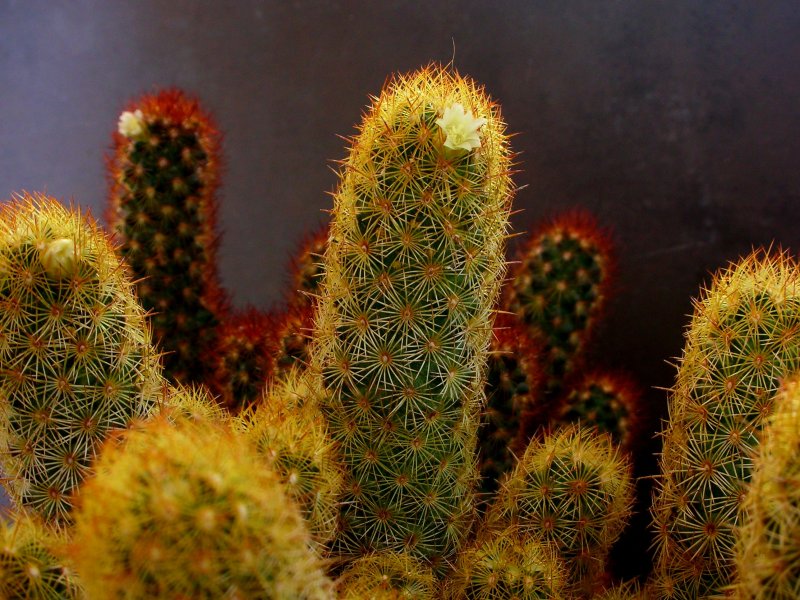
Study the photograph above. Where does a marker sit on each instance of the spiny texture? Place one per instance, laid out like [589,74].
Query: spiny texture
[560,288]
[630,590]
[412,270]
[291,339]
[606,400]
[744,337]
[188,511]
[164,172]
[29,567]
[243,359]
[768,549]
[509,564]
[306,269]
[513,384]
[387,576]
[289,433]
[572,489]
[179,404]
[76,360]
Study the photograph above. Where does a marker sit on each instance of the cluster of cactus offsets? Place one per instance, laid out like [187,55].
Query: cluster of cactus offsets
[29,566]
[560,288]
[191,512]
[164,172]
[388,576]
[508,565]
[607,400]
[76,360]
[744,337]
[768,549]
[243,359]
[513,382]
[572,489]
[291,436]
[412,272]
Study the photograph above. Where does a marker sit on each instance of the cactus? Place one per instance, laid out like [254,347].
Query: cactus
[76,360]
[560,288]
[742,340]
[163,173]
[630,590]
[387,576]
[180,404]
[768,548]
[572,489]
[292,438]
[187,511]
[513,383]
[411,273]
[290,339]
[243,359]
[606,400]
[29,566]
[507,565]
[306,268]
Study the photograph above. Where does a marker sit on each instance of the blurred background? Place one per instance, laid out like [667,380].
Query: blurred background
[676,123]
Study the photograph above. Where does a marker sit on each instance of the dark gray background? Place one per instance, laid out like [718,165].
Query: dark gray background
[676,122]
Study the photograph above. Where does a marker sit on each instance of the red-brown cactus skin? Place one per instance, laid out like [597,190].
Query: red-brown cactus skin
[163,173]
[244,358]
[743,339]
[560,288]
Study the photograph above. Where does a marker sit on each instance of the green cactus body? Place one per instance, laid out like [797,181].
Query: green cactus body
[29,566]
[164,172]
[289,433]
[507,565]
[744,337]
[388,576]
[513,384]
[243,359]
[560,288]
[187,510]
[75,355]
[609,401]
[412,270]
[571,489]
[768,548]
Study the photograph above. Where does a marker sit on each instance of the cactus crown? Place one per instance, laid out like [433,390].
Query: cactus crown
[75,354]
[744,336]
[411,273]
[163,206]
[387,576]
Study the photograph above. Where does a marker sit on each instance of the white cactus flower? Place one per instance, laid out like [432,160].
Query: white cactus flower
[461,128]
[131,124]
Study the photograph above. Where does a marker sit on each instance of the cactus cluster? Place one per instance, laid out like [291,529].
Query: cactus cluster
[768,540]
[744,337]
[188,511]
[76,360]
[414,264]
[388,576]
[571,489]
[164,172]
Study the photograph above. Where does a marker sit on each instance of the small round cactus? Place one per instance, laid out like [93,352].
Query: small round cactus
[387,576]
[189,511]
[30,567]
[76,360]
[572,489]
[508,564]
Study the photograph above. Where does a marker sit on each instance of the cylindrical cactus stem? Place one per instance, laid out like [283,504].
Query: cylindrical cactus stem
[187,510]
[744,337]
[76,360]
[412,271]
[306,270]
[513,386]
[608,400]
[768,546]
[572,489]
[508,564]
[291,340]
[164,172]
[388,576]
[243,359]
[560,288]
[31,565]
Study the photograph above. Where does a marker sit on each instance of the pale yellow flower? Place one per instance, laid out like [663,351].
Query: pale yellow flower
[59,258]
[461,128]
[131,124]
